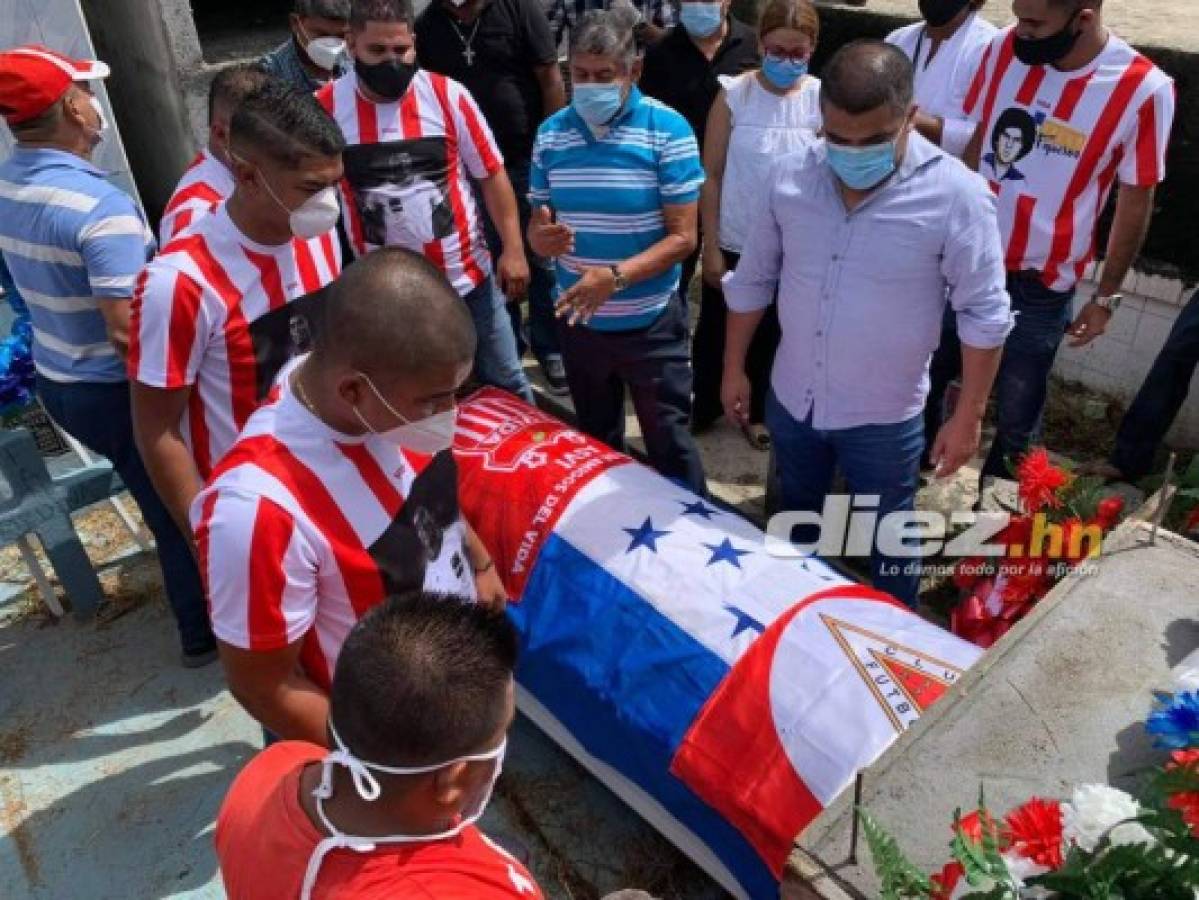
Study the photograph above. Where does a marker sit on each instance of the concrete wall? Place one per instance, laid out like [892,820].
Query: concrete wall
[153,53]
[60,24]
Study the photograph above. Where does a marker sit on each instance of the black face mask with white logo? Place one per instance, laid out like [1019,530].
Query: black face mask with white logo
[388,79]
[939,13]
[1047,50]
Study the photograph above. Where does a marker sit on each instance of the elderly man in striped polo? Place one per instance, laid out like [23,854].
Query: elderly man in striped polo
[615,183]
[74,244]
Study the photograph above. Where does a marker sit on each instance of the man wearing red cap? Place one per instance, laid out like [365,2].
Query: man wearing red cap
[74,243]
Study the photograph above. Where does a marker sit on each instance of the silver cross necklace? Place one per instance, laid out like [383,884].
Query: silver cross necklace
[468,52]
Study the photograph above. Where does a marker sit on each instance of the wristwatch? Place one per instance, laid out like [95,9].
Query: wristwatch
[1111,302]
[618,279]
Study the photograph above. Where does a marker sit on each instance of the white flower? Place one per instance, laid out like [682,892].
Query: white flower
[1021,869]
[1094,811]
[1186,674]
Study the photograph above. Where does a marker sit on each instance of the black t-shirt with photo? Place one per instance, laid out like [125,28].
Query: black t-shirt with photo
[512,39]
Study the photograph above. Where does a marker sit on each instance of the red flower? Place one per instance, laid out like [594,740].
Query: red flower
[944,882]
[1026,584]
[1186,803]
[1039,481]
[1108,513]
[968,572]
[1034,830]
[1192,522]
[972,826]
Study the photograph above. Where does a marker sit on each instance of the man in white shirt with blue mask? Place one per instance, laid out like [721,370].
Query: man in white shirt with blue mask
[864,235]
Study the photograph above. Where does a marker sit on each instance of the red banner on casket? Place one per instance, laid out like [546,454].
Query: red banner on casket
[519,468]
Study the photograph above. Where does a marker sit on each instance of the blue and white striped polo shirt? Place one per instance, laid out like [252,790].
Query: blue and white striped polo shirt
[611,189]
[71,239]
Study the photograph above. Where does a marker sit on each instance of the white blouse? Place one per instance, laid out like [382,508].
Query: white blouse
[764,126]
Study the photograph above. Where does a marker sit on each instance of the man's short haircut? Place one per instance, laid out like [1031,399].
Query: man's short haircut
[393,314]
[422,679]
[363,11]
[864,75]
[338,10]
[232,84]
[284,124]
[799,15]
[1016,118]
[606,32]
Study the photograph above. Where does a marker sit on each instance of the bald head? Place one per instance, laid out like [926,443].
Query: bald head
[865,75]
[392,314]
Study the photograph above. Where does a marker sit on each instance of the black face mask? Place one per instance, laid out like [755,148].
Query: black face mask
[1047,50]
[387,79]
[939,13]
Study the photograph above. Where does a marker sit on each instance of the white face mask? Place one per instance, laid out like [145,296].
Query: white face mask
[325,51]
[312,218]
[369,790]
[429,436]
[96,105]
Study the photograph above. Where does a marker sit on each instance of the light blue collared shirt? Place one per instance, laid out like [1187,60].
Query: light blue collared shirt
[861,294]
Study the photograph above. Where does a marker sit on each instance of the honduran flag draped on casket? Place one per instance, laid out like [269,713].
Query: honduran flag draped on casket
[728,695]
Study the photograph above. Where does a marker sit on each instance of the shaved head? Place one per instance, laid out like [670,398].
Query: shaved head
[392,314]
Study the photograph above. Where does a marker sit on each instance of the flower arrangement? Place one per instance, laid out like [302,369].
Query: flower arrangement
[1101,844]
[1062,522]
[16,353]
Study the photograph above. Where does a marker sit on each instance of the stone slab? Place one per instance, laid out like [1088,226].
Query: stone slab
[1058,702]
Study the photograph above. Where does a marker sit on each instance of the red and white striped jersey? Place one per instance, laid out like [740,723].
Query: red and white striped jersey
[203,186]
[302,529]
[406,172]
[1054,142]
[221,314]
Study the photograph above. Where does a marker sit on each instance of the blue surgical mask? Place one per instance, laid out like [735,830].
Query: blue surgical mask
[861,168]
[783,73]
[701,19]
[597,104]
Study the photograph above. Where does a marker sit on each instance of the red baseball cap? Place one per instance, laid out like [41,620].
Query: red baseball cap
[33,78]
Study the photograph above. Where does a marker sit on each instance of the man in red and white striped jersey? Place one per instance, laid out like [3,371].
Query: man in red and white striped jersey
[209,178]
[225,305]
[341,490]
[1064,110]
[415,140]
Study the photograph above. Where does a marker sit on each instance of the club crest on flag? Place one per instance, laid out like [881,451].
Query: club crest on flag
[507,435]
[906,682]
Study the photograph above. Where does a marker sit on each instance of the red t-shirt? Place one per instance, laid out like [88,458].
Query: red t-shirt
[264,840]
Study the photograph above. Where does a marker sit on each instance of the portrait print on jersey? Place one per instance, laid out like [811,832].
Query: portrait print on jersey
[424,546]
[1013,138]
[283,334]
[401,189]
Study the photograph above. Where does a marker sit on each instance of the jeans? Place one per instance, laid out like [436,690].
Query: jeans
[98,416]
[653,364]
[1042,317]
[543,335]
[881,460]
[707,354]
[946,365]
[1161,396]
[496,360]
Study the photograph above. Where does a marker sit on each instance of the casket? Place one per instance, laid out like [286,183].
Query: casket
[725,692]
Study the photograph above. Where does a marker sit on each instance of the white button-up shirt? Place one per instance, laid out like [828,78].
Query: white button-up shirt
[861,293]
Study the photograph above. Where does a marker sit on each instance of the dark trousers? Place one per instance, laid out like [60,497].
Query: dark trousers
[707,354]
[1042,317]
[98,416]
[879,460]
[542,336]
[652,364]
[1161,396]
